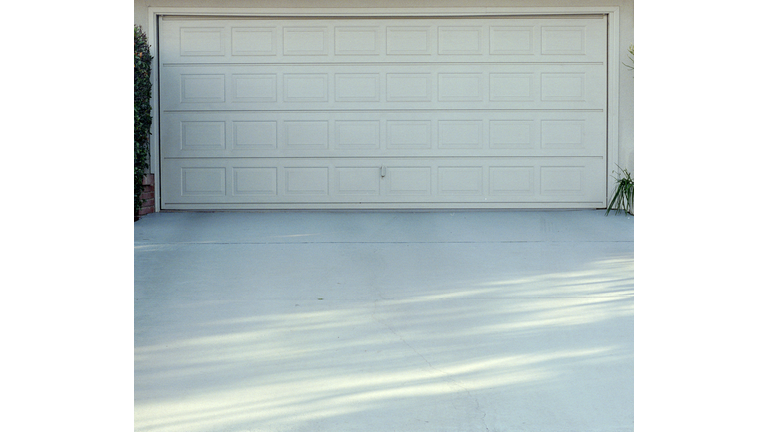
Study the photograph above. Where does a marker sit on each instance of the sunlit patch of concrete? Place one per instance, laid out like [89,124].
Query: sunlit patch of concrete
[436,336]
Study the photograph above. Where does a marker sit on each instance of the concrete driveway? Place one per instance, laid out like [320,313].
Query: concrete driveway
[384,321]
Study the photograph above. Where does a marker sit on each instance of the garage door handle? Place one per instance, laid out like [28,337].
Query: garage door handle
[383,170]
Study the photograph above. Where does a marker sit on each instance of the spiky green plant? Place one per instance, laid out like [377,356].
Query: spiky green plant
[631,57]
[624,195]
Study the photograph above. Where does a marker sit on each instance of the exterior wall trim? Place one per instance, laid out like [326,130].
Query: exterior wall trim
[614,51]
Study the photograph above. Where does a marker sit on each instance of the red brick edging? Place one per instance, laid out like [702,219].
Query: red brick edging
[148,196]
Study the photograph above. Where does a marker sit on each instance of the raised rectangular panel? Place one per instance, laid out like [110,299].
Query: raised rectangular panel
[255,181]
[255,135]
[305,41]
[357,87]
[357,134]
[306,181]
[563,40]
[511,180]
[460,87]
[562,133]
[409,180]
[305,87]
[254,88]
[569,86]
[460,40]
[511,86]
[409,134]
[460,180]
[511,134]
[203,135]
[409,87]
[561,180]
[249,41]
[356,41]
[201,41]
[203,181]
[409,41]
[460,134]
[512,40]
[202,88]
[359,180]
[306,134]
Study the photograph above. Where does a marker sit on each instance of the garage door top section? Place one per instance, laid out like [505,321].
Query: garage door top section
[324,113]
[384,40]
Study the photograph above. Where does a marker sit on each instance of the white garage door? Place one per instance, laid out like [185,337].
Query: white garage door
[383,113]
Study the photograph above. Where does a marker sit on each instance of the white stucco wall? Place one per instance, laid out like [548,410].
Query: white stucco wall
[626,35]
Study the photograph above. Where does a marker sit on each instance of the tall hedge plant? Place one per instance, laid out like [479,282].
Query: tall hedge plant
[142,111]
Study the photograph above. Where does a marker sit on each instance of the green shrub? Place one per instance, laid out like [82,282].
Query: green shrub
[142,111]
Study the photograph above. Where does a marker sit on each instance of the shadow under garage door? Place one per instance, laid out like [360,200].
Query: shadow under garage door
[407,113]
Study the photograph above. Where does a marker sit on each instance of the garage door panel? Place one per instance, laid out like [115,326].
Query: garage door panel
[354,180]
[358,40]
[354,87]
[358,137]
[357,87]
[203,41]
[460,180]
[507,39]
[254,88]
[306,180]
[306,40]
[389,134]
[254,40]
[253,182]
[518,181]
[221,182]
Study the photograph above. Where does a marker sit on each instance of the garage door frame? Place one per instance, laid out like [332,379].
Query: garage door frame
[613,50]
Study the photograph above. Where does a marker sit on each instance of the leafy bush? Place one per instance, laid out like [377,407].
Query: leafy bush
[142,111]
